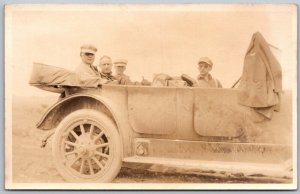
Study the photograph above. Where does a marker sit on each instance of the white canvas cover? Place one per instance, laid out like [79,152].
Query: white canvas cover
[47,75]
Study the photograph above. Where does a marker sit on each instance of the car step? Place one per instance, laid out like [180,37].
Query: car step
[281,171]
[213,151]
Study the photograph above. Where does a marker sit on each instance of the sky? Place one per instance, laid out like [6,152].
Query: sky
[154,39]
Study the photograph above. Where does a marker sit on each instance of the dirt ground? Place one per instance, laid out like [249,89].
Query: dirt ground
[33,164]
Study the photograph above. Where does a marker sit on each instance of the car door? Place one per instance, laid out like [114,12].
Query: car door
[217,113]
[152,110]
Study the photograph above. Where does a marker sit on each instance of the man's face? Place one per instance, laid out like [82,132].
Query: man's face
[204,68]
[106,67]
[120,70]
[88,58]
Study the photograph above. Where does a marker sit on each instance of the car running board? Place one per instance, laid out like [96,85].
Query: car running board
[281,172]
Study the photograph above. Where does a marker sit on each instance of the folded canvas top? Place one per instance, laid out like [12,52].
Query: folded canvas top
[47,75]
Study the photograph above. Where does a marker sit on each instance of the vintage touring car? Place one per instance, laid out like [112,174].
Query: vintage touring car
[210,130]
[96,129]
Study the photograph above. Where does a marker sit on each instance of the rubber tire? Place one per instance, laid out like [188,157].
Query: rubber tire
[109,128]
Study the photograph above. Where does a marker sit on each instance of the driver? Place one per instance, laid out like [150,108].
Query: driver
[205,79]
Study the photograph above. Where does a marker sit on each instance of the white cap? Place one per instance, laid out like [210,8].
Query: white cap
[205,60]
[88,48]
[120,62]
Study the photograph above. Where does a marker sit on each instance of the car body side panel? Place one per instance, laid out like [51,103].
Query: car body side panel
[280,127]
[152,110]
[117,95]
[217,113]
[206,115]
[185,109]
[174,114]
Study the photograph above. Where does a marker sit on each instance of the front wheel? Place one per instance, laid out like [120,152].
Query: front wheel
[86,147]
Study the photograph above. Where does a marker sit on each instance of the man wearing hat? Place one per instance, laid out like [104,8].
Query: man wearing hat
[105,66]
[120,67]
[86,69]
[205,79]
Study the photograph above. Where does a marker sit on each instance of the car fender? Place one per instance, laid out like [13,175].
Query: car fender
[62,108]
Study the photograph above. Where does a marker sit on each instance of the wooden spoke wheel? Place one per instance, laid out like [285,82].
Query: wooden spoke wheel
[86,147]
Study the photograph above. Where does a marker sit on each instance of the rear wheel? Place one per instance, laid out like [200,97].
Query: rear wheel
[86,147]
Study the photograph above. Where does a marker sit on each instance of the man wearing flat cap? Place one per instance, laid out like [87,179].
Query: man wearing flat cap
[105,66]
[120,67]
[86,70]
[205,79]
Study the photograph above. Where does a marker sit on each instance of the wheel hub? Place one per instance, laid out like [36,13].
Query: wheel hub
[86,148]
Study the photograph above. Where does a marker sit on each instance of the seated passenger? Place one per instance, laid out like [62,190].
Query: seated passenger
[122,79]
[205,79]
[120,67]
[85,74]
[86,69]
[105,66]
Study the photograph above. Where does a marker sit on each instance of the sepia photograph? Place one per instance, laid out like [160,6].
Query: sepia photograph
[151,96]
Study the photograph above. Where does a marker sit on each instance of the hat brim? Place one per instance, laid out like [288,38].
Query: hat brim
[120,64]
[88,51]
[205,62]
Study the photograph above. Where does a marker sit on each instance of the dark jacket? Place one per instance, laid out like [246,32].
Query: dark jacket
[261,81]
